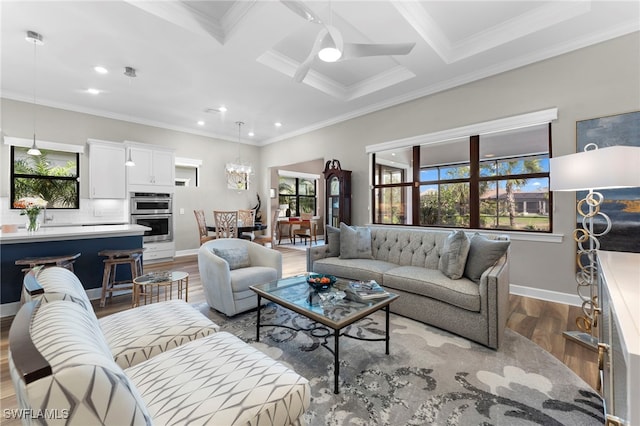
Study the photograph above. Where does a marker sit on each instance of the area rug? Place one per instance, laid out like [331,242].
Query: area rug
[430,377]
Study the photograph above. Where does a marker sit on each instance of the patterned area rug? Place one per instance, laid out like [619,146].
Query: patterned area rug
[430,376]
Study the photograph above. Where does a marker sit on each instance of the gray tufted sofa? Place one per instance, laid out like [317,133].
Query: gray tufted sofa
[405,261]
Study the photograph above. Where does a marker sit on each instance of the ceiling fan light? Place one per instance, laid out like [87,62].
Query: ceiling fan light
[329,54]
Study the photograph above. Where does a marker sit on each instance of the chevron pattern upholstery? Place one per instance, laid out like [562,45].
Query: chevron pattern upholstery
[86,386]
[136,334]
[215,380]
[222,381]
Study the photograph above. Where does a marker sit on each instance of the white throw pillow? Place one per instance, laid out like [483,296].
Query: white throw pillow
[454,255]
[355,242]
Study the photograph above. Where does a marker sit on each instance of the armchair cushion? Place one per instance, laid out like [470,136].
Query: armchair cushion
[483,253]
[236,257]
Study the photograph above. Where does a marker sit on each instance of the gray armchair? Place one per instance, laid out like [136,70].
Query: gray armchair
[228,266]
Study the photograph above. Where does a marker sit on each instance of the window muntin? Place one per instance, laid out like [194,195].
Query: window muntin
[392,205]
[52,176]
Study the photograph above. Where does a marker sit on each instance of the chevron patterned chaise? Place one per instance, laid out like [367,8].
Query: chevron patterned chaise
[63,371]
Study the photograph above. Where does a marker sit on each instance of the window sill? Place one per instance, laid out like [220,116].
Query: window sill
[541,237]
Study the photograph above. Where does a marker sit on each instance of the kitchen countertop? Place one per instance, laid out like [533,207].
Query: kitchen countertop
[76,232]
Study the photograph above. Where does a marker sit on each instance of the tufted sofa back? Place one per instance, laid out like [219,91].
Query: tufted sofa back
[406,247]
[410,247]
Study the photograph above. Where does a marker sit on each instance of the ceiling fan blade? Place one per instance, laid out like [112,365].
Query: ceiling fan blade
[304,67]
[301,9]
[356,50]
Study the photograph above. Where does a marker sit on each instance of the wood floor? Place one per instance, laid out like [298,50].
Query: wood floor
[541,322]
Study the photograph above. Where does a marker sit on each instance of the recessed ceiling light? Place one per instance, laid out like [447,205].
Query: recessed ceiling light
[222,109]
[489,155]
[277,124]
[251,134]
[93,91]
[200,123]
[100,70]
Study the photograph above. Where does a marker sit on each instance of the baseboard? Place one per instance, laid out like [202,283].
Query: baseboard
[548,295]
[190,252]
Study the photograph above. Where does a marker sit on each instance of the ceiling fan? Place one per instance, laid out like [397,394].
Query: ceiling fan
[329,46]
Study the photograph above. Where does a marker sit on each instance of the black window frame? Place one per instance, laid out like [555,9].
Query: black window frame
[13,175]
[297,196]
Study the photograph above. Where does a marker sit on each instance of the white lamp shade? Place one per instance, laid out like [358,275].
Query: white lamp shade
[604,168]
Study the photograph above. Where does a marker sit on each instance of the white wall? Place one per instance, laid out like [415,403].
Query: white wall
[593,82]
[59,125]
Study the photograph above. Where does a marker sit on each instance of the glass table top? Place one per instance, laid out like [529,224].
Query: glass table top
[330,307]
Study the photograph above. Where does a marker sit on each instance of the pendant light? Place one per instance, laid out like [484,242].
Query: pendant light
[239,166]
[36,39]
[131,73]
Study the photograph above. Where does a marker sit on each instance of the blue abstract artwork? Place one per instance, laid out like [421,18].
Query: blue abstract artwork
[621,205]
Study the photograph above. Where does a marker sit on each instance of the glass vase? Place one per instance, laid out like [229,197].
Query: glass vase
[33,224]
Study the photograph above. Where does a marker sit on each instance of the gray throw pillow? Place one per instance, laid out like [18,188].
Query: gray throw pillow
[237,257]
[355,242]
[483,253]
[454,255]
[333,237]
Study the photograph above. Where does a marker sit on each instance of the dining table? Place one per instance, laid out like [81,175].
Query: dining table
[256,227]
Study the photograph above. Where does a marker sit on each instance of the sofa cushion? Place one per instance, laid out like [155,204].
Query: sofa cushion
[432,283]
[220,380]
[483,253]
[333,237]
[137,334]
[353,269]
[355,242]
[236,257]
[453,255]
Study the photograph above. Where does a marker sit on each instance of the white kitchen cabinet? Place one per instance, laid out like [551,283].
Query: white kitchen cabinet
[106,169]
[154,169]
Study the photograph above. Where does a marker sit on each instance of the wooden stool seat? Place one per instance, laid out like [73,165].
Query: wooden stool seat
[64,261]
[115,257]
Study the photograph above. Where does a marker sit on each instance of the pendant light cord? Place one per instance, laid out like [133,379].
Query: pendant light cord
[35,83]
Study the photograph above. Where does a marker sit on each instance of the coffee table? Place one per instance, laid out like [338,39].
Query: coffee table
[145,285]
[295,294]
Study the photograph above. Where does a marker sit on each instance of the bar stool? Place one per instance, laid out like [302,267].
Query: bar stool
[115,257]
[64,261]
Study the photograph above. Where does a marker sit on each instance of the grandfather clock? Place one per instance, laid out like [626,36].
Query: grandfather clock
[338,193]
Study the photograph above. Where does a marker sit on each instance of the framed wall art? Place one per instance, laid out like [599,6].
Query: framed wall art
[621,205]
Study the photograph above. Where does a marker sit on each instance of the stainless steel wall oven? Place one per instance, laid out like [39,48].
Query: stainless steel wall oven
[154,210]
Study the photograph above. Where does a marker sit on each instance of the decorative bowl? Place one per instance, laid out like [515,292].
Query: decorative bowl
[321,282]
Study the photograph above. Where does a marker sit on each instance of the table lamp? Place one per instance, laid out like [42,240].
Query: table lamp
[604,168]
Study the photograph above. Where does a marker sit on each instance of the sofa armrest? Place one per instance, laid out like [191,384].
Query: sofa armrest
[27,360]
[316,253]
[494,292]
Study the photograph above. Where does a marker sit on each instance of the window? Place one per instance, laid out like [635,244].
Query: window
[298,193]
[52,176]
[494,181]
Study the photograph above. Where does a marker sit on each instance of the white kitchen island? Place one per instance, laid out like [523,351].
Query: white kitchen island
[87,240]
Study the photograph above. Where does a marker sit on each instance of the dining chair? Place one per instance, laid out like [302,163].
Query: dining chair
[307,229]
[272,233]
[202,227]
[247,218]
[226,223]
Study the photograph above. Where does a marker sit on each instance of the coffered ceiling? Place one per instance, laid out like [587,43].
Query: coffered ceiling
[192,57]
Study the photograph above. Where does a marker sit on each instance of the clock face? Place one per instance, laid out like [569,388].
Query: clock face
[334,186]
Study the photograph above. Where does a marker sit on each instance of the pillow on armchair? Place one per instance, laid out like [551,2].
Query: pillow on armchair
[237,257]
